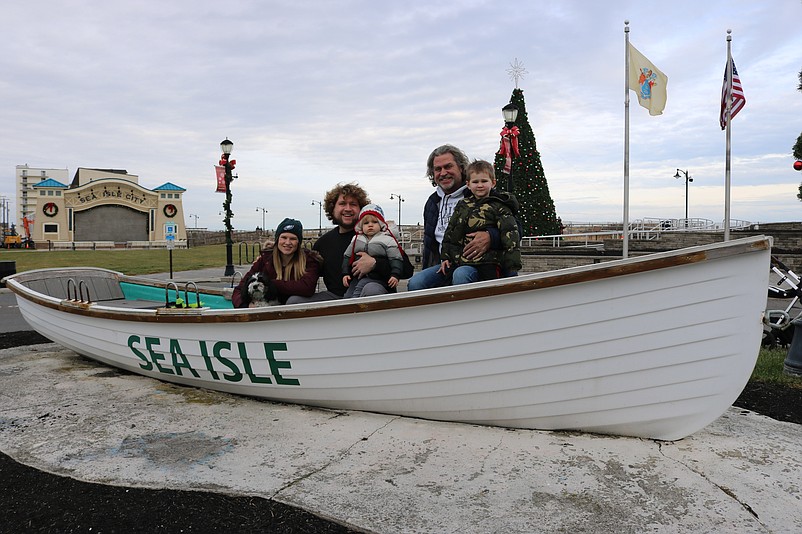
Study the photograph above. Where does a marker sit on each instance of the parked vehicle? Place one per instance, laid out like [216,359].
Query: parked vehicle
[778,324]
[12,239]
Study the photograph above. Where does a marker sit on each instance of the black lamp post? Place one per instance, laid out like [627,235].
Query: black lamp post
[263,218]
[319,217]
[226,146]
[4,213]
[393,196]
[688,179]
[510,113]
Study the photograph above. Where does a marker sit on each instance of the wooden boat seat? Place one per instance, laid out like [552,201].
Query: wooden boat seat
[137,304]
[100,286]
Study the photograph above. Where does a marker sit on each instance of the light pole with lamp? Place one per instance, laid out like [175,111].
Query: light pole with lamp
[509,144]
[229,164]
[4,201]
[319,217]
[196,219]
[263,217]
[688,179]
[393,196]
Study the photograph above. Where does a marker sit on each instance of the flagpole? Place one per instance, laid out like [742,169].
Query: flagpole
[728,115]
[625,249]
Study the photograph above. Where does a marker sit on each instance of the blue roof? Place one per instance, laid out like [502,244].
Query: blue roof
[50,183]
[169,186]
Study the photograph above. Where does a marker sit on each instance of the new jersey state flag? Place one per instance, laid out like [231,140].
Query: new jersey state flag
[648,82]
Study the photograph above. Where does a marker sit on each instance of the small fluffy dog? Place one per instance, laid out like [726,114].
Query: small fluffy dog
[261,292]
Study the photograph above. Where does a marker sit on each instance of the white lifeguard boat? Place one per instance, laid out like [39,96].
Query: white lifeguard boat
[654,346]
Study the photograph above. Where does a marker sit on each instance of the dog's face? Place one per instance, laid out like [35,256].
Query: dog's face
[256,287]
[257,292]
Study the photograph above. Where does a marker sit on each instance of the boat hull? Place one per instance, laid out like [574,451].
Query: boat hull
[652,347]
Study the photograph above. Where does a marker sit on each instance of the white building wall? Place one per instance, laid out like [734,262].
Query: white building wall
[25,179]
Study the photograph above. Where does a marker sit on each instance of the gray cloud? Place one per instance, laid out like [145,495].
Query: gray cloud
[314,93]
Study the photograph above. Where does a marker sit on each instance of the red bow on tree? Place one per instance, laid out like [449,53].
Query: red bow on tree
[509,146]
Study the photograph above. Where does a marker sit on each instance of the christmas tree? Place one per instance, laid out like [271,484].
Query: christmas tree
[529,185]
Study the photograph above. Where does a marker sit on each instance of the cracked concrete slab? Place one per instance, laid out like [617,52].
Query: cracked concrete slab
[68,415]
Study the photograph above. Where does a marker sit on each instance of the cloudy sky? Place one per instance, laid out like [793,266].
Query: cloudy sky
[317,92]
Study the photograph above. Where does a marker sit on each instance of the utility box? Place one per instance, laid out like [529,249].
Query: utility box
[7,268]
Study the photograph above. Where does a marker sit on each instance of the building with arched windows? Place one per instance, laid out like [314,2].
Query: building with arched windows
[99,205]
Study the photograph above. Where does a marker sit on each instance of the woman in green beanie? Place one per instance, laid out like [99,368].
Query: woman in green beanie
[287,268]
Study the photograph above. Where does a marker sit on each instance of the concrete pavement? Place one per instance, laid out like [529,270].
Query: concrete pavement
[67,415]
[10,318]
[64,414]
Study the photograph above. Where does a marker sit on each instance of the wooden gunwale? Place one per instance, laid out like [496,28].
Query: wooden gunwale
[403,300]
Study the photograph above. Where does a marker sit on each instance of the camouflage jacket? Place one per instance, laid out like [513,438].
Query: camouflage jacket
[497,210]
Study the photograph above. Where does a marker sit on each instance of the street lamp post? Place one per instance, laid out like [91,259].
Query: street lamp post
[510,114]
[319,217]
[393,196]
[228,163]
[4,213]
[196,219]
[688,179]
[263,217]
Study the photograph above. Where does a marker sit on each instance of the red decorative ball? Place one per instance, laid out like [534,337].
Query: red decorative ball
[798,165]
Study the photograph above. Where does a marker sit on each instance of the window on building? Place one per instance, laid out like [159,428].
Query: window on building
[58,193]
[51,228]
[163,195]
[42,193]
[50,193]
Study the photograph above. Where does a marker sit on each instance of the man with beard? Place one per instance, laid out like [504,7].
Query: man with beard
[342,205]
[446,169]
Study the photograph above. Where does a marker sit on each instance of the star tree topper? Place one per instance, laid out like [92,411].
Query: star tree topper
[517,71]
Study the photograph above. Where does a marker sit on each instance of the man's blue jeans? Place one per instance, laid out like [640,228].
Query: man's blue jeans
[429,277]
[465,274]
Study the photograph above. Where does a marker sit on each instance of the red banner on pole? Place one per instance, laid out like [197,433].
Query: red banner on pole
[221,178]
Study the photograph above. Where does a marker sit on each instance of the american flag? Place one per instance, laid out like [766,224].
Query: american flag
[738,99]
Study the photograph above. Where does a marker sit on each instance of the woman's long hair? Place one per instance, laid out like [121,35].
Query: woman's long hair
[296,267]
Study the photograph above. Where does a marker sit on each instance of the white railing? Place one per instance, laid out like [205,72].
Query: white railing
[585,239]
[648,228]
[154,244]
[693,224]
[678,225]
[81,245]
